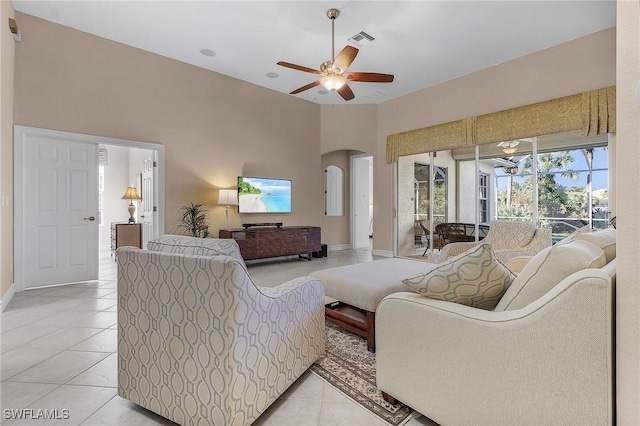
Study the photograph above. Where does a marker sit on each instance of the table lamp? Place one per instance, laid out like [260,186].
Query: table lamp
[131,194]
[228,197]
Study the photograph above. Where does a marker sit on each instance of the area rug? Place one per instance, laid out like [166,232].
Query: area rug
[349,367]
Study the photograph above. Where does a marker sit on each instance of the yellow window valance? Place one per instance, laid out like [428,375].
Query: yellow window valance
[593,113]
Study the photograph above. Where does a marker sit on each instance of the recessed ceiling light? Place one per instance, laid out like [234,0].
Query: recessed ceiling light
[323,92]
[207,52]
[273,75]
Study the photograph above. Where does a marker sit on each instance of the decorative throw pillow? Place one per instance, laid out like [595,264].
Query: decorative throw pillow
[547,269]
[474,278]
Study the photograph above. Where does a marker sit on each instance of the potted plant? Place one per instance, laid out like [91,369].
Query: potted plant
[193,220]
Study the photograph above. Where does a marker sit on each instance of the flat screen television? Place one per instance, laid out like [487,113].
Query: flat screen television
[263,195]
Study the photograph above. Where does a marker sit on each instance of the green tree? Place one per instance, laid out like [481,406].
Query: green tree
[553,199]
[247,188]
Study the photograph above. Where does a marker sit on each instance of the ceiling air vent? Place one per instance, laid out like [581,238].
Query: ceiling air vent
[361,39]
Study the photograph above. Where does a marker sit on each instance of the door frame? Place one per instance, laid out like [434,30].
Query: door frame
[20,193]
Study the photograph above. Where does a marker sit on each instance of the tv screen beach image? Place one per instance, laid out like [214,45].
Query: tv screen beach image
[262,195]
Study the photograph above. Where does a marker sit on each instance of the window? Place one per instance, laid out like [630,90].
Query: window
[484,198]
[572,189]
[333,184]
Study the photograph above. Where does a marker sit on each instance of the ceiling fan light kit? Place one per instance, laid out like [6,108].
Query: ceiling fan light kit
[509,147]
[333,74]
[333,81]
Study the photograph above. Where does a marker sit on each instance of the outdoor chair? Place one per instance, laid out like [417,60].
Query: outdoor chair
[438,241]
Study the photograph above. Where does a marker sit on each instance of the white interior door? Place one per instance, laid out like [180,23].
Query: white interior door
[360,202]
[56,190]
[147,203]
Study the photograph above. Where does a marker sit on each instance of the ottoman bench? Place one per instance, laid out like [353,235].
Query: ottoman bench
[359,288]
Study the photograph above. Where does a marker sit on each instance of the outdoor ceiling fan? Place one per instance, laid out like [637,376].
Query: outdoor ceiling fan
[509,147]
[333,73]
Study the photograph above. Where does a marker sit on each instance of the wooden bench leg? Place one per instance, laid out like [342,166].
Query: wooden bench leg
[388,398]
[371,331]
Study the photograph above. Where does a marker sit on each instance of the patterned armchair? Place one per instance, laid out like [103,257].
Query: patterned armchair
[201,246]
[507,239]
[200,343]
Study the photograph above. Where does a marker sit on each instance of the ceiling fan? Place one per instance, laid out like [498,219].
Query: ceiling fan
[509,147]
[333,73]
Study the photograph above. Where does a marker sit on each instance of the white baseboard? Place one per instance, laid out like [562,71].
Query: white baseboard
[7,297]
[339,247]
[383,253]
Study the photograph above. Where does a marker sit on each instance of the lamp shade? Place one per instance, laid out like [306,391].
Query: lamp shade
[228,197]
[131,194]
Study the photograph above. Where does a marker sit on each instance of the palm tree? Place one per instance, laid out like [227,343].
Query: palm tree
[510,171]
[553,197]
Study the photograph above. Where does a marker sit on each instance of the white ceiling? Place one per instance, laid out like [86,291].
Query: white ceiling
[422,43]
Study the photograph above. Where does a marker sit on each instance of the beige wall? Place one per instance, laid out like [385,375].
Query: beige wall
[7,47]
[580,65]
[628,206]
[346,130]
[213,127]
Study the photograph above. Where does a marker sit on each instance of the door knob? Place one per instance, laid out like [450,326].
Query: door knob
[142,216]
[91,218]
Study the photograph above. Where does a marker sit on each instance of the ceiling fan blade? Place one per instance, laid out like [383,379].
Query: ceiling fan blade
[298,67]
[346,93]
[370,77]
[307,87]
[345,57]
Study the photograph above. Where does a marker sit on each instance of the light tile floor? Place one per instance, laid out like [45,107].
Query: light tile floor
[59,347]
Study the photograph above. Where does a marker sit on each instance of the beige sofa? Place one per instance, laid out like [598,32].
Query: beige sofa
[543,356]
[199,343]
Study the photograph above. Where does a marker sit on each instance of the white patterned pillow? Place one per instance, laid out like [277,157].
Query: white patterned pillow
[474,278]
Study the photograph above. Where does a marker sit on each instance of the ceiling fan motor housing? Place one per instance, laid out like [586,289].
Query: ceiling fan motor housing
[327,68]
[333,13]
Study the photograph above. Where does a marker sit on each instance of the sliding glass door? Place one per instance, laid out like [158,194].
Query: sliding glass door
[557,181]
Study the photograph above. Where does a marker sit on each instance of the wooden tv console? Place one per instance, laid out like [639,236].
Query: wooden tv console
[271,241]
